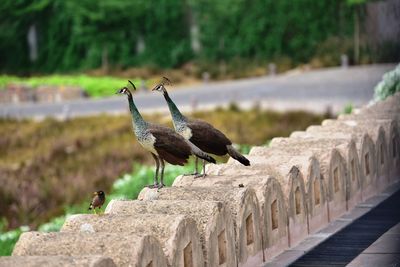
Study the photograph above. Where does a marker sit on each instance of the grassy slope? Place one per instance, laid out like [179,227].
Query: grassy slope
[94,86]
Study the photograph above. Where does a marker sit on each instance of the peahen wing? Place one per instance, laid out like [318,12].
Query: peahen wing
[170,146]
[208,138]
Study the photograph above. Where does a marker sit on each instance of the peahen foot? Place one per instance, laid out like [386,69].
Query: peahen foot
[191,174]
[155,185]
[161,185]
[199,175]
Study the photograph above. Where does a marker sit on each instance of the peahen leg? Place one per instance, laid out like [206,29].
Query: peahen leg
[198,175]
[196,169]
[161,184]
[155,184]
[196,166]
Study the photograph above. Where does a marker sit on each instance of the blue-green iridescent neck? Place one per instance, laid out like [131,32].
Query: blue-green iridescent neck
[137,120]
[177,116]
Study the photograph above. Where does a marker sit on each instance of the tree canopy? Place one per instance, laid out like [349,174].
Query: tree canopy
[81,34]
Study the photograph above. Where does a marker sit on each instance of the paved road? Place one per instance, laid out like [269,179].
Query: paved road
[313,90]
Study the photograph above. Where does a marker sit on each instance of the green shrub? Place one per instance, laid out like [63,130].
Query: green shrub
[54,225]
[389,85]
[129,185]
[348,109]
[8,240]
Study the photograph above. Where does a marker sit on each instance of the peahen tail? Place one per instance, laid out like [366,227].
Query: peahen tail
[200,153]
[236,155]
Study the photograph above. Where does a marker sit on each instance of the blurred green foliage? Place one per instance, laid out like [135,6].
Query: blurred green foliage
[93,86]
[356,2]
[8,240]
[129,185]
[389,85]
[348,109]
[78,35]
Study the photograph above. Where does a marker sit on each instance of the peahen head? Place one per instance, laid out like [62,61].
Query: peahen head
[125,91]
[161,86]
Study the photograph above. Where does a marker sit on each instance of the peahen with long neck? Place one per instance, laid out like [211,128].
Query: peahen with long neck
[202,134]
[163,143]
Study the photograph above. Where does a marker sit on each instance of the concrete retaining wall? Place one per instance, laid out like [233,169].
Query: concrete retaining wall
[378,135]
[348,151]
[244,207]
[123,249]
[213,219]
[61,261]
[176,233]
[274,221]
[366,153]
[332,169]
[237,215]
[308,165]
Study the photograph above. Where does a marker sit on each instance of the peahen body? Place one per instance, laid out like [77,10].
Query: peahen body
[162,142]
[202,134]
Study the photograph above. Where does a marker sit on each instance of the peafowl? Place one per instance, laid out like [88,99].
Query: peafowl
[202,134]
[163,143]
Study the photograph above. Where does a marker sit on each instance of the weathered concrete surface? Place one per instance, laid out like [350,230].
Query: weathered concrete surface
[379,132]
[308,165]
[347,149]
[332,166]
[292,254]
[243,205]
[213,219]
[175,232]
[347,146]
[391,129]
[52,261]
[124,250]
[268,190]
[366,152]
[292,185]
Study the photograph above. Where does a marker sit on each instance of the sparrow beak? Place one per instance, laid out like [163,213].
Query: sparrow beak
[95,194]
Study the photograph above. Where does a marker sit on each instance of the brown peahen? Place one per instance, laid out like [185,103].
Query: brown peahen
[202,134]
[162,142]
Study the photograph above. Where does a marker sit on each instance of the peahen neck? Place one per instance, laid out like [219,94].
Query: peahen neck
[177,116]
[137,120]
